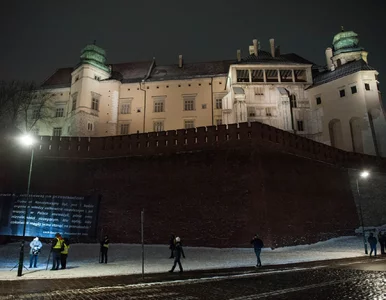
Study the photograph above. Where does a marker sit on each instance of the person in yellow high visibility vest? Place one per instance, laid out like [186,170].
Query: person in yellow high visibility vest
[104,248]
[56,248]
[64,253]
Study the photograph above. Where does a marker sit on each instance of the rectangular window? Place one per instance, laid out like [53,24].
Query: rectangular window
[158,126]
[354,89]
[125,128]
[73,106]
[35,114]
[189,102]
[189,124]
[95,103]
[367,86]
[59,113]
[125,108]
[159,105]
[57,131]
[268,112]
[90,126]
[318,100]
[300,125]
[342,93]
[251,112]
[203,106]
[218,122]
[218,103]
[97,77]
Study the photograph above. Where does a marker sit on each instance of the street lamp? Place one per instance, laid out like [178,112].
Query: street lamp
[27,141]
[364,175]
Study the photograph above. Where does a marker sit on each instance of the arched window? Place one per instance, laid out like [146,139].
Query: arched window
[356,134]
[336,136]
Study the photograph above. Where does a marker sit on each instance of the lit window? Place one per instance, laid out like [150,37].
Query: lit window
[300,125]
[189,124]
[158,126]
[125,108]
[354,89]
[57,131]
[59,113]
[95,103]
[125,128]
[218,103]
[342,93]
[318,100]
[367,86]
[189,102]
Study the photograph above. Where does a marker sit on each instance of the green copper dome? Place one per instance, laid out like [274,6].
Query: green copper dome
[346,41]
[94,55]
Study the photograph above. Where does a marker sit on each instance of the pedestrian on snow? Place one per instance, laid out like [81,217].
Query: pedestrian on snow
[373,244]
[257,245]
[172,245]
[382,241]
[35,245]
[56,248]
[178,251]
[104,248]
[64,253]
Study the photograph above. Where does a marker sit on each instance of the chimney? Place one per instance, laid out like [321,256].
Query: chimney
[329,58]
[255,48]
[272,43]
[180,61]
[277,51]
[238,55]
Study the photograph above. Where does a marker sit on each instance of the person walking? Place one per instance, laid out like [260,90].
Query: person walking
[257,245]
[373,244]
[172,245]
[382,241]
[35,245]
[56,248]
[178,251]
[104,248]
[64,253]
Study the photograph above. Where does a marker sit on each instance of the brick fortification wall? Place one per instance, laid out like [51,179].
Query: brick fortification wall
[213,186]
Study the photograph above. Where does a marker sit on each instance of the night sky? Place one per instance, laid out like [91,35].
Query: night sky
[40,36]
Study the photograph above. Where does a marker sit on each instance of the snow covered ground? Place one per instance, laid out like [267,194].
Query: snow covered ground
[125,259]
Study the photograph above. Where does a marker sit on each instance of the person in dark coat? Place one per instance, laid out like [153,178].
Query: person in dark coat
[178,251]
[257,245]
[172,245]
[104,248]
[56,248]
[382,241]
[373,244]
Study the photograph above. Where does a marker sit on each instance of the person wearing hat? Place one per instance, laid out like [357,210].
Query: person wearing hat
[178,251]
[56,248]
[35,245]
[64,253]
[257,245]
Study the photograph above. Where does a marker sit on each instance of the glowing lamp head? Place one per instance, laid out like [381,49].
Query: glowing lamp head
[27,140]
[365,174]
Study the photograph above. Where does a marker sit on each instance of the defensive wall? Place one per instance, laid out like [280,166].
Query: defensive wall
[214,186]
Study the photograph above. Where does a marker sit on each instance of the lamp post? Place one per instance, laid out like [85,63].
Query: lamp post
[27,141]
[364,175]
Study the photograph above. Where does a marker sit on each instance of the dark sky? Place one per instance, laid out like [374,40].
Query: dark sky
[40,36]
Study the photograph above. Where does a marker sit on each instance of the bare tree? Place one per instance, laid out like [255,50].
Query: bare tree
[23,105]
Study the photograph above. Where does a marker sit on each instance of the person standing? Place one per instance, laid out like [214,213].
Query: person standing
[382,241]
[56,248]
[178,251]
[172,244]
[373,244]
[64,253]
[104,248]
[35,245]
[257,245]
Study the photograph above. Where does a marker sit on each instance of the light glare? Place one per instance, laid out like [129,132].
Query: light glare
[365,174]
[27,140]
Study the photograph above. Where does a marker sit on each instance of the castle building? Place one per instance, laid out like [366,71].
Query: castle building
[338,104]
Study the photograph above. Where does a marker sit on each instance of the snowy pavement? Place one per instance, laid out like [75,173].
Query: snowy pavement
[125,259]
